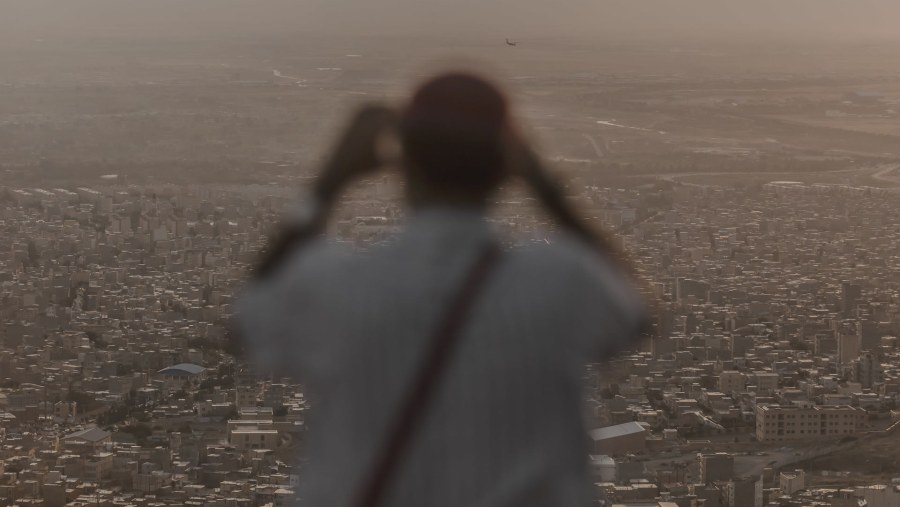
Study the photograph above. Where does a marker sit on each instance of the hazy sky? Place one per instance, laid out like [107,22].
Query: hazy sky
[851,19]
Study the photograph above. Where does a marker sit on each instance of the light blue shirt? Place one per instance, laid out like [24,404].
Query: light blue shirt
[505,428]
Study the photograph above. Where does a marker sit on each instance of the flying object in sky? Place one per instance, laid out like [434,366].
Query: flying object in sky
[510,43]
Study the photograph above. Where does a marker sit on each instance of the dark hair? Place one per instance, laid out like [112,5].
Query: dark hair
[454,133]
[456,137]
[451,134]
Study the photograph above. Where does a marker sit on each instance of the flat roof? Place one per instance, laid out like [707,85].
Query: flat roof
[183,369]
[629,428]
[91,435]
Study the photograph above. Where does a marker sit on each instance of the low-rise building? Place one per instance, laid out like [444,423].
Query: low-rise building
[775,423]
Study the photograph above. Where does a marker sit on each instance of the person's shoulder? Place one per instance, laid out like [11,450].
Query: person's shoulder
[579,267]
[320,258]
[594,278]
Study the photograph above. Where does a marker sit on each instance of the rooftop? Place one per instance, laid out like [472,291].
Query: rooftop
[618,430]
[183,369]
[91,435]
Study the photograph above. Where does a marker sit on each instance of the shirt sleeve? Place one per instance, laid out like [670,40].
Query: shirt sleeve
[266,324]
[275,317]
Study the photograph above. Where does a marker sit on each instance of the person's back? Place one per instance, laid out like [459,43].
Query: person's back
[504,424]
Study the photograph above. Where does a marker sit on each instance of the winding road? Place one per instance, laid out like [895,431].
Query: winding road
[888,173]
[880,173]
[596,146]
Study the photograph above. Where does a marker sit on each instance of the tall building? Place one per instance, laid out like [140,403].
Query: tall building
[850,295]
[744,492]
[716,467]
[867,370]
[847,348]
[869,335]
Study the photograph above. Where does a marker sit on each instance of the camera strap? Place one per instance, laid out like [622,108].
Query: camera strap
[406,421]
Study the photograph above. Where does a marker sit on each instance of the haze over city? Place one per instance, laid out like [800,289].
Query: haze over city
[744,154]
[594,19]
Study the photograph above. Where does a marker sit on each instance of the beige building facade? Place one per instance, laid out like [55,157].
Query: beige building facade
[779,423]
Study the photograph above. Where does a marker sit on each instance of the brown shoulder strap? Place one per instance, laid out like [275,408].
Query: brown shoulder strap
[414,406]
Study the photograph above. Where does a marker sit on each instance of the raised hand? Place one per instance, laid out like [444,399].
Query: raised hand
[357,152]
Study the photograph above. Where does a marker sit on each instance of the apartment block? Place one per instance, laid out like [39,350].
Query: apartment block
[776,423]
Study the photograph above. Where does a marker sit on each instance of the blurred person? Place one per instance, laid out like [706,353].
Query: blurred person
[442,370]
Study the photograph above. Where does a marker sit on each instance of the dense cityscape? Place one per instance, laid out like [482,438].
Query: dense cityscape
[746,157]
[773,358]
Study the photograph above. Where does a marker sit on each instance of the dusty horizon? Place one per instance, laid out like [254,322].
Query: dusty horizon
[688,20]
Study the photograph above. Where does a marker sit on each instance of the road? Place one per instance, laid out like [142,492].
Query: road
[888,173]
[298,81]
[753,464]
[881,173]
[596,146]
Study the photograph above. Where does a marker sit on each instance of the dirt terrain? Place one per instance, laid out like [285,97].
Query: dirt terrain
[263,109]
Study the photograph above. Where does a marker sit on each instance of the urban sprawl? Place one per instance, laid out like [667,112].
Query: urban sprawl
[772,368]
